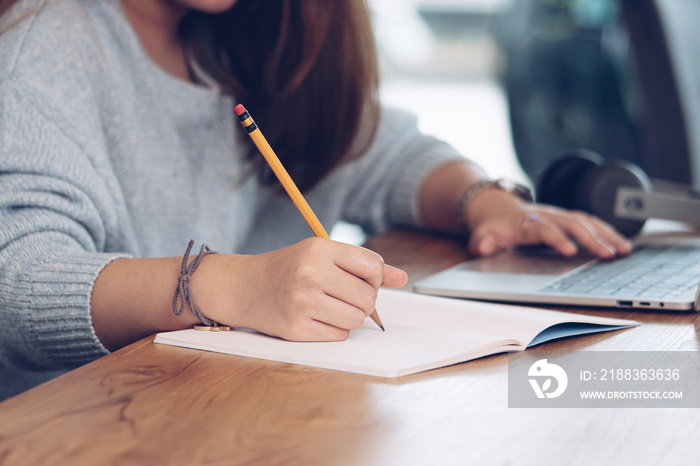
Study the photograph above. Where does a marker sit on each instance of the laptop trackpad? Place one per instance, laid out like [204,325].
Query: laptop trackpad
[507,272]
[525,263]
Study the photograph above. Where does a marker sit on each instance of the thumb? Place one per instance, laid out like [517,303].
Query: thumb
[483,245]
[394,277]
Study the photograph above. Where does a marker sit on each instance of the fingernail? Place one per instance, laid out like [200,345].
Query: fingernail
[611,249]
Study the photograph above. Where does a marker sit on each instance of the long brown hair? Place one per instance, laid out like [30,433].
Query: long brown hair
[4,6]
[307,71]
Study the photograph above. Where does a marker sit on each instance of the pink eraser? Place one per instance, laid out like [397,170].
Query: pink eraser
[239,109]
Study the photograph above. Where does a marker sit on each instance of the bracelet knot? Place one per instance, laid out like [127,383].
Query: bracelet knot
[183,292]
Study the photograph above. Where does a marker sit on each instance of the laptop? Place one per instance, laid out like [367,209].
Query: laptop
[661,274]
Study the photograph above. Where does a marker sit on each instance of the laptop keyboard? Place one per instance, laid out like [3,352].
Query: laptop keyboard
[650,272]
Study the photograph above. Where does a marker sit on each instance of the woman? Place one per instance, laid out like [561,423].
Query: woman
[118,145]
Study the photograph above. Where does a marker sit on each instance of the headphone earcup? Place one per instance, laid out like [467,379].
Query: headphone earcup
[597,190]
[559,182]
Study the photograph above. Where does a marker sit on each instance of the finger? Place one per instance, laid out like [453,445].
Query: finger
[394,277]
[591,235]
[482,242]
[338,313]
[351,290]
[545,232]
[488,241]
[360,262]
[485,245]
[602,232]
[314,330]
[610,234]
[585,234]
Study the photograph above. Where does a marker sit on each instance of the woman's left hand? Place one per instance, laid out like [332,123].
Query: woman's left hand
[530,224]
[497,219]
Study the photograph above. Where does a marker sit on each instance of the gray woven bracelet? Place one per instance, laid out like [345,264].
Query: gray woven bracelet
[183,286]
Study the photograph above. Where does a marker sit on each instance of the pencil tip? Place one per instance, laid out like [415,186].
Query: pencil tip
[382,327]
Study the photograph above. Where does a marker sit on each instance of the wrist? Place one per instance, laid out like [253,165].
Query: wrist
[488,197]
[183,294]
[218,290]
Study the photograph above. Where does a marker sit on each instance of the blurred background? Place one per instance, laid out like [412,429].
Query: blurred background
[440,59]
[514,84]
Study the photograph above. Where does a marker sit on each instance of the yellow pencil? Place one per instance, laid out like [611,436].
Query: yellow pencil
[287,182]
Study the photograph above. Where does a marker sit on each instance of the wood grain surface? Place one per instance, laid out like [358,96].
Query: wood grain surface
[153,404]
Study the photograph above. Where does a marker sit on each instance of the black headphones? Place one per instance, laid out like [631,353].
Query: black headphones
[618,192]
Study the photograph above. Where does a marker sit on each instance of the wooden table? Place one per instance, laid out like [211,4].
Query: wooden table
[153,404]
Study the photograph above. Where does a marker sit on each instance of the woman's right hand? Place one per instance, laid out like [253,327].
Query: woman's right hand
[314,290]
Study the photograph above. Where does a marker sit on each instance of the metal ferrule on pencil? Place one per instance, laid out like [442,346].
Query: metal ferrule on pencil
[247,121]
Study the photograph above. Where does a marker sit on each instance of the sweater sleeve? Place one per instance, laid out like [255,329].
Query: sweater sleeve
[388,179]
[56,213]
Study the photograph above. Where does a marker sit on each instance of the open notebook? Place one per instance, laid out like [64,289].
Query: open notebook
[422,333]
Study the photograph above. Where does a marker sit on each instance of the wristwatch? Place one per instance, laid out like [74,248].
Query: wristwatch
[504,184]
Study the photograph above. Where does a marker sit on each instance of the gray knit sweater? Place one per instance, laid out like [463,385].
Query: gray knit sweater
[104,155]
